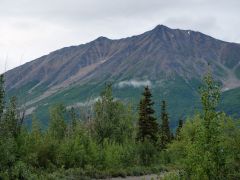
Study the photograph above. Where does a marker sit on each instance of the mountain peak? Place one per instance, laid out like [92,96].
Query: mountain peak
[161,31]
[102,38]
[161,28]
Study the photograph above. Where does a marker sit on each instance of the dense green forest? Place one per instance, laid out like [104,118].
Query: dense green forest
[110,140]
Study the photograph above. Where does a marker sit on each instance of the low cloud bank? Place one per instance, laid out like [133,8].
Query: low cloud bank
[89,102]
[134,83]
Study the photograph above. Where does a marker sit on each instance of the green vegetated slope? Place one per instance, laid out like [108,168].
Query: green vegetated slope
[182,98]
[231,102]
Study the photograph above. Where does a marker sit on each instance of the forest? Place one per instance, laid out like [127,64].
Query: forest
[116,141]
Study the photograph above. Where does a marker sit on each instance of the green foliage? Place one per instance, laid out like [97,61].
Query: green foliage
[36,127]
[8,149]
[207,145]
[78,151]
[147,153]
[57,126]
[11,124]
[112,119]
[210,96]
[202,149]
[73,121]
[175,175]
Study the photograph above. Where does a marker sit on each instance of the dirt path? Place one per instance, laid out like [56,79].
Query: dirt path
[145,177]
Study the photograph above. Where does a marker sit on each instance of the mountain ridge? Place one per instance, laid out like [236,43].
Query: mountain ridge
[173,57]
[101,39]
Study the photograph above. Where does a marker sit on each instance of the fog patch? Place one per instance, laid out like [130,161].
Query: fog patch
[30,111]
[86,103]
[134,84]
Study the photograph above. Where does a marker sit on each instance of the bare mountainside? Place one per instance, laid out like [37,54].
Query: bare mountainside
[157,56]
[161,51]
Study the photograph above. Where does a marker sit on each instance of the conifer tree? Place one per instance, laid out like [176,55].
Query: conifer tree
[172,136]
[12,125]
[180,125]
[1,104]
[165,129]
[11,120]
[73,119]
[147,124]
[2,93]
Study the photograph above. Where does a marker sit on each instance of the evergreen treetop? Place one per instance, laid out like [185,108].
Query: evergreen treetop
[147,124]
[165,129]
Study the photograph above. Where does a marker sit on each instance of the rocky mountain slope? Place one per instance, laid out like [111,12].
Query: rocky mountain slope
[171,61]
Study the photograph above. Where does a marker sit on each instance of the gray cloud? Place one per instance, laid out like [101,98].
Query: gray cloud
[29,29]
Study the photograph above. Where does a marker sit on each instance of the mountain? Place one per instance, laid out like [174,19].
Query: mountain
[171,61]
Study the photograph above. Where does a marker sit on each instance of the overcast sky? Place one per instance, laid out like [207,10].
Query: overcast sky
[32,28]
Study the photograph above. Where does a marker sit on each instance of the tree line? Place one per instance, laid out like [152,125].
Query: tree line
[117,141]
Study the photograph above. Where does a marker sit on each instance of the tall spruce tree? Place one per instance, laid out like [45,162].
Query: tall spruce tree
[1,104]
[12,122]
[73,116]
[147,124]
[2,93]
[180,125]
[165,129]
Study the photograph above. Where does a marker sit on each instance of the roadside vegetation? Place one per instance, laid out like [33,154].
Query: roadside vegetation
[113,140]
